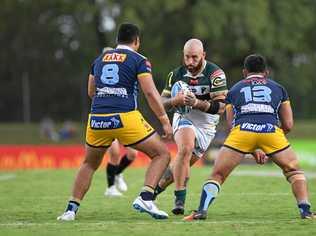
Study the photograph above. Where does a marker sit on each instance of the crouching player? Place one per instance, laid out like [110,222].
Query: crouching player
[255,105]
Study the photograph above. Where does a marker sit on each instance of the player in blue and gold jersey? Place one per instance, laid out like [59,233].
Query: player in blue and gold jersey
[113,87]
[260,113]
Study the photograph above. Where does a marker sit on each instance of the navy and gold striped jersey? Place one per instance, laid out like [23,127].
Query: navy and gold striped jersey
[116,72]
[256,99]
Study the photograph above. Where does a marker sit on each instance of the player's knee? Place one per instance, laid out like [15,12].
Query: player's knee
[164,154]
[185,151]
[294,175]
[290,165]
[91,165]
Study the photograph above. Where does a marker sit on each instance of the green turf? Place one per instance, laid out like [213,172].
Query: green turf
[306,151]
[30,201]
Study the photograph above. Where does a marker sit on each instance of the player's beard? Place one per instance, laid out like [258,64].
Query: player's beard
[195,69]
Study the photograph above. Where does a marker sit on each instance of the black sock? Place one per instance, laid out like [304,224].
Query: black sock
[180,195]
[304,207]
[125,162]
[111,171]
[158,190]
[72,206]
[147,194]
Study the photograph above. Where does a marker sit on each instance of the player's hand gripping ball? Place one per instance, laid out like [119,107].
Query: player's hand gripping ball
[178,87]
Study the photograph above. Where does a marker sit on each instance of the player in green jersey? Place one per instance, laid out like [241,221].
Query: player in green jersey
[193,131]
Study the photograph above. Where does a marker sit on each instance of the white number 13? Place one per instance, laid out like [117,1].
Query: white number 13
[257,94]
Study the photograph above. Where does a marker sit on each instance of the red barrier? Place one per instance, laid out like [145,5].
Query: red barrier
[14,157]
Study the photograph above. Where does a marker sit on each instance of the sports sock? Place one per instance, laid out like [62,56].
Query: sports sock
[209,192]
[304,206]
[125,162]
[111,171]
[73,206]
[147,193]
[159,190]
[180,195]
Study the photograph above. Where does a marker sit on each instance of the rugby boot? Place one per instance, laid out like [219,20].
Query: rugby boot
[67,216]
[112,192]
[120,183]
[150,208]
[308,215]
[196,215]
[306,212]
[178,208]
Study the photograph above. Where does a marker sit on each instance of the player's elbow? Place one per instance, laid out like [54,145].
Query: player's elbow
[287,125]
[149,95]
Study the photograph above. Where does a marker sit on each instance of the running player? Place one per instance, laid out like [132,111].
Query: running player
[193,132]
[113,84]
[115,167]
[255,107]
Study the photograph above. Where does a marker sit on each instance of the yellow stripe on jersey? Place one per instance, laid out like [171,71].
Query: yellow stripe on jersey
[143,74]
[286,102]
[229,106]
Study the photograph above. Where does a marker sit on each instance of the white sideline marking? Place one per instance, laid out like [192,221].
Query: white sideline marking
[7,177]
[310,175]
[148,222]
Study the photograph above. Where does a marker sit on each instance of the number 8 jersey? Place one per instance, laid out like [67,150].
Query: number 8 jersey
[116,72]
[256,99]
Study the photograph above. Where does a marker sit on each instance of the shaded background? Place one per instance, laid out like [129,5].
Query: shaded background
[47,47]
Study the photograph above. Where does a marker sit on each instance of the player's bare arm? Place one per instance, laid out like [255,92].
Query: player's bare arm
[229,116]
[215,106]
[169,102]
[91,86]
[286,116]
[154,100]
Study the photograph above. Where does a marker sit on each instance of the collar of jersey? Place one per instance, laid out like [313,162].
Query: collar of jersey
[121,46]
[200,74]
[254,75]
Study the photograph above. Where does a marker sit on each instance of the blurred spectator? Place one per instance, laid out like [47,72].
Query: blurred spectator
[67,131]
[47,129]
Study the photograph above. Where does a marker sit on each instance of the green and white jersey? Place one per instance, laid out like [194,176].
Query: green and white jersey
[209,83]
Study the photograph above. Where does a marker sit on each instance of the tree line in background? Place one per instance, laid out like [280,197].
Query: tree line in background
[47,46]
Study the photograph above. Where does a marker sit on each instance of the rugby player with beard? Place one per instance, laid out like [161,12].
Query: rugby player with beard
[193,131]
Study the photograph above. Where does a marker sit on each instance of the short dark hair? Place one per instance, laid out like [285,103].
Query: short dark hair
[127,33]
[255,63]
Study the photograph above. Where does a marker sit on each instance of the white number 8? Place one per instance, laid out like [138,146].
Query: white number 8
[110,74]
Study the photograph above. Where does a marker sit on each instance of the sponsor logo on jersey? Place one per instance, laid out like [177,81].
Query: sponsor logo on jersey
[258,128]
[107,91]
[219,82]
[114,57]
[257,108]
[218,78]
[200,89]
[105,122]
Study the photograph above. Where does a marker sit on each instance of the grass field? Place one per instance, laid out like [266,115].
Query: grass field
[254,201]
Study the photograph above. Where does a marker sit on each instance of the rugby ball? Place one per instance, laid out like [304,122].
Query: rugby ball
[177,88]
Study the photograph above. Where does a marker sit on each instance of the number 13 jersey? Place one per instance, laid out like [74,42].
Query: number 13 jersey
[256,99]
[116,74]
